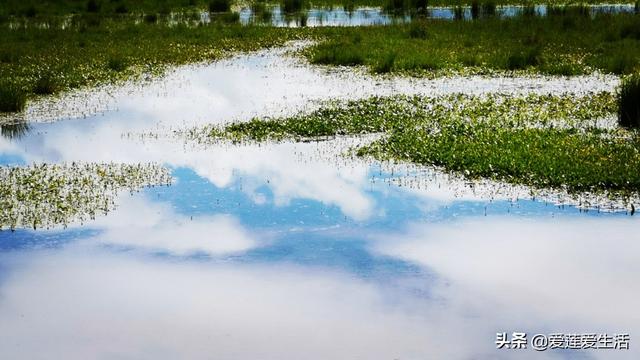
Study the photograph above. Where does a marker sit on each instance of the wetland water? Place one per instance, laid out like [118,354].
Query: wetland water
[367,16]
[288,251]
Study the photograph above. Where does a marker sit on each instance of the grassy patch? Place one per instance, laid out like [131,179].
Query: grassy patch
[94,50]
[48,195]
[566,44]
[12,98]
[540,157]
[629,102]
[541,141]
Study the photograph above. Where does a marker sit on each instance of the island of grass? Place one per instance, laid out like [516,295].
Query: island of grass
[44,195]
[563,44]
[540,141]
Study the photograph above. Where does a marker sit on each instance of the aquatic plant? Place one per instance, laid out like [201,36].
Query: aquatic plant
[418,30]
[395,5]
[46,84]
[12,97]
[458,12]
[46,195]
[93,6]
[291,6]
[121,9]
[219,6]
[421,7]
[475,9]
[629,102]
[151,18]
[344,55]
[538,140]
[531,44]
[116,64]
[386,63]
[521,59]
[14,130]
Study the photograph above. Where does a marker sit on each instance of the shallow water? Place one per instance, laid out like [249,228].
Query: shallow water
[368,16]
[288,251]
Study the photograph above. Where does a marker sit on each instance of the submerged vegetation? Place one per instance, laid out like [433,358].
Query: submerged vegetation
[539,140]
[48,195]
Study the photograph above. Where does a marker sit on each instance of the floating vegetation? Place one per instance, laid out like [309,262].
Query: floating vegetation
[42,196]
[543,141]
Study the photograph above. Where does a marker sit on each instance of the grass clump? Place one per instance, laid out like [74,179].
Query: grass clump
[523,59]
[216,6]
[93,6]
[292,6]
[117,64]
[12,98]
[629,102]
[345,55]
[46,84]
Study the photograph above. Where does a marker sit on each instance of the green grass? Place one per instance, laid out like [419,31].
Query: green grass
[38,8]
[36,61]
[219,5]
[557,45]
[629,102]
[577,161]
[12,97]
[42,196]
[409,3]
[541,141]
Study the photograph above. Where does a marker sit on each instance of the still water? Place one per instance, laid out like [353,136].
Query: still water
[290,251]
[369,16]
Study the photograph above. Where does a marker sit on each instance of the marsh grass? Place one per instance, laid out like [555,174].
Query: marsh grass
[555,158]
[629,102]
[418,30]
[218,6]
[545,45]
[482,9]
[42,196]
[115,49]
[47,84]
[386,63]
[538,140]
[292,6]
[93,6]
[12,97]
[521,59]
[343,55]
[117,64]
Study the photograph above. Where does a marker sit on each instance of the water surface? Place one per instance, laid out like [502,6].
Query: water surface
[289,251]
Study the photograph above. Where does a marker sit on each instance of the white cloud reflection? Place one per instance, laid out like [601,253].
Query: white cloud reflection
[573,276]
[504,275]
[140,224]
